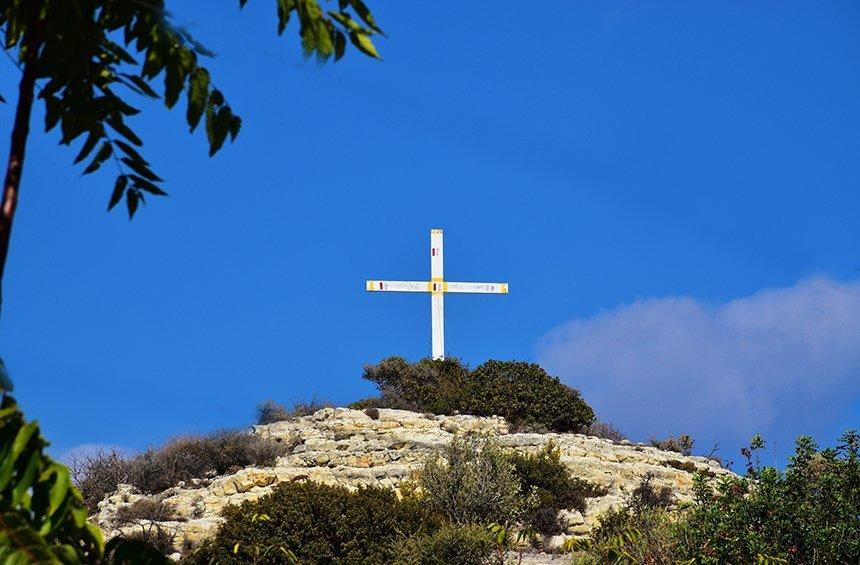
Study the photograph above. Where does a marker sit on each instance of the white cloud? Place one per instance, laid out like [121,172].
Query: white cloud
[782,362]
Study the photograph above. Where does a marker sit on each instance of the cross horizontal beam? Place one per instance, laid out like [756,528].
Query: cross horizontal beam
[437,287]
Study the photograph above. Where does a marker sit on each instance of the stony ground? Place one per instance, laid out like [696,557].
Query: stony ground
[348,447]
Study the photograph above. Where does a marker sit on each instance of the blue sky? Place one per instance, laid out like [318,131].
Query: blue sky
[671,185]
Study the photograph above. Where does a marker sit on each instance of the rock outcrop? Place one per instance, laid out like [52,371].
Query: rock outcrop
[347,447]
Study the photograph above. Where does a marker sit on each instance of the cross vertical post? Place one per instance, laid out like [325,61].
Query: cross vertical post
[437,295]
[437,286]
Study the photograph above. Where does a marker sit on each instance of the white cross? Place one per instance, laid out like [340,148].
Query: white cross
[437,287]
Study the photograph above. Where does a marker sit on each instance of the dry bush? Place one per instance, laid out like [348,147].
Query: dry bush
[98,474]
[151,509]
[605,430]
[308,407]
[682,444]
[181,459]
[372,413]
[269,412]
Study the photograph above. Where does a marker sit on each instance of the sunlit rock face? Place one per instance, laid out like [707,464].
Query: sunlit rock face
[339,446]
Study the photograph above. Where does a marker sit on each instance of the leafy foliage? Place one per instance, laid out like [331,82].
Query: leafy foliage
[313,523]
[553,487]
[181,459]
[430,385]
[91,57]
[450,544]
[474,482]
[521,392]
[526,395]
[808,514]
[42,515]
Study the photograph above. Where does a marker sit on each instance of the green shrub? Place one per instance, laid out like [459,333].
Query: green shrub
[430,385]
[521,392]
[449,545]
[808,514]
[682,444]
[182,459]
[471,481]
[553,487]
[315,523]
[526,396]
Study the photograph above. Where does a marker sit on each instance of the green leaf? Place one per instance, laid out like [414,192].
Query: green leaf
[145,185]
[339,45]
[364,13]
[60,487]
[285,7]
[130,151]
[198,92]
[119,126]
[118,191]
[347,22]
[21,439]
[105,151]
[89,145]
[141,85]
[5,379]
[364,44]
[141,169]
[131,200]
[24,480]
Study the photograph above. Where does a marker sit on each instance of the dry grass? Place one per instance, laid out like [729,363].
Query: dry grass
[269,412]
[180,460]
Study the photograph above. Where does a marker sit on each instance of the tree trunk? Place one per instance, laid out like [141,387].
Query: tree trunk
[15,166]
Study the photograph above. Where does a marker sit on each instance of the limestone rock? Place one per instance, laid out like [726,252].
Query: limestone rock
[339,446]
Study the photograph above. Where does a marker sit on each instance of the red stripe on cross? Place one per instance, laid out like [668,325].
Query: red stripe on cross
[381,286]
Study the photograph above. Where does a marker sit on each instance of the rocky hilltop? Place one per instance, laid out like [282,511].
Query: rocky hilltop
[348,447]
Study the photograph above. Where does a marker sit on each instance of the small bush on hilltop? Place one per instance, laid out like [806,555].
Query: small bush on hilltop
[682,444]
[473,482]
[182,459]
[523,393]
[430,385]
[144,509]
[526,395]
[449,545]
[605,430]
[313,523]
[554,488]
[269,412]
